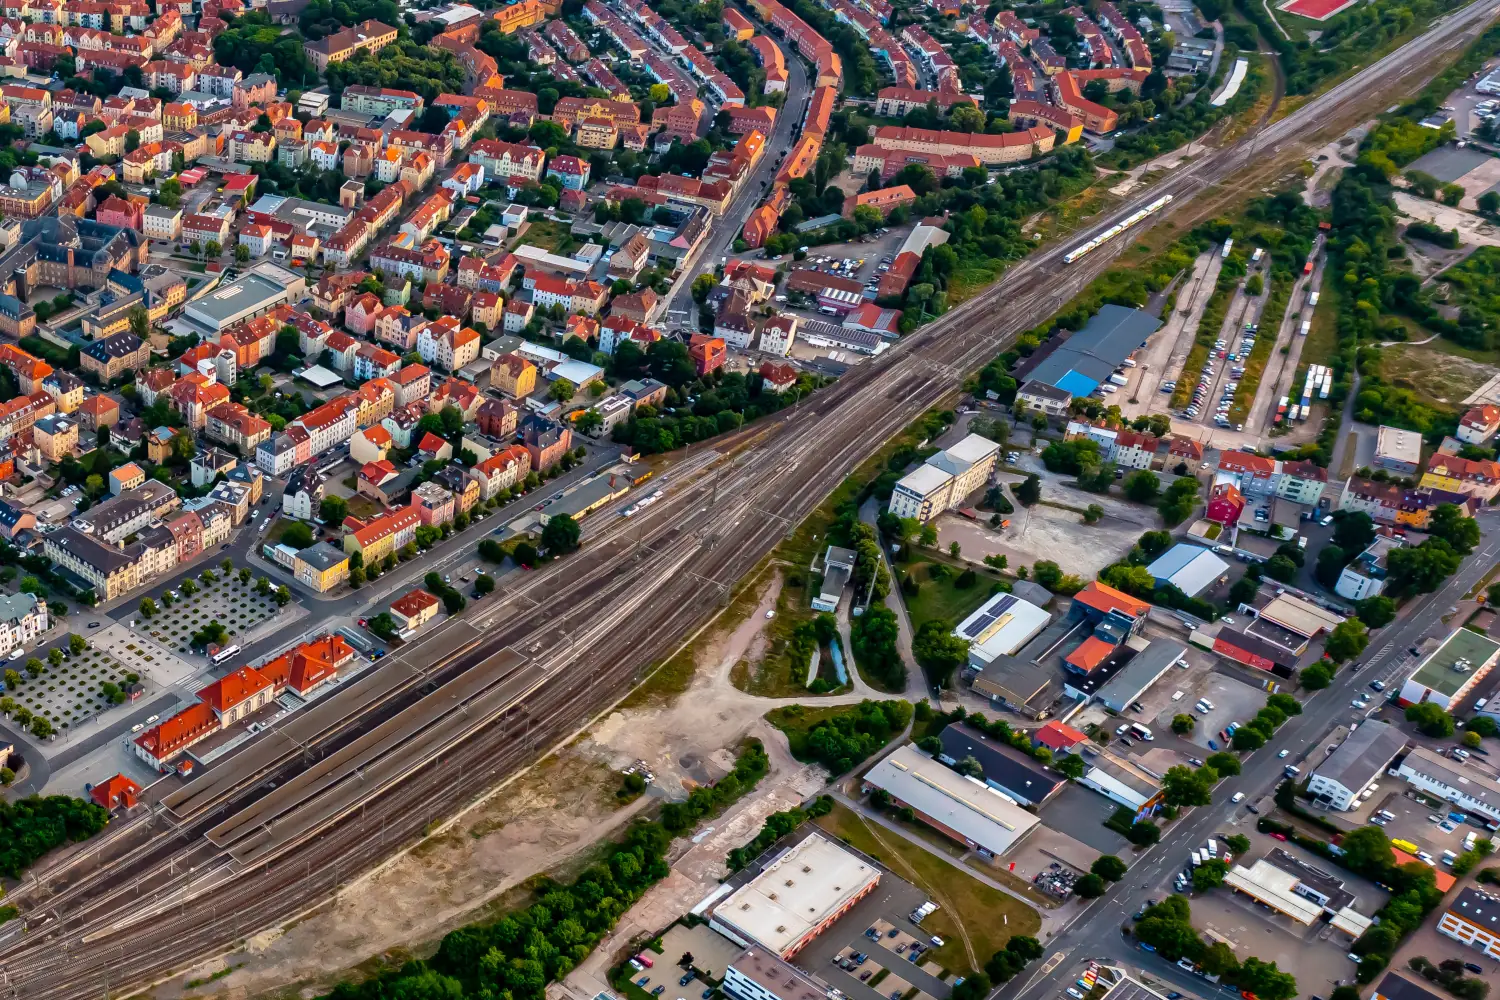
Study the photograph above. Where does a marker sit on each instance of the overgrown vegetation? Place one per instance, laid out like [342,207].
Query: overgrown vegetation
[841,738]
[31,827]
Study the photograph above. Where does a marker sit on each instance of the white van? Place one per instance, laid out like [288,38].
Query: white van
[1213,849]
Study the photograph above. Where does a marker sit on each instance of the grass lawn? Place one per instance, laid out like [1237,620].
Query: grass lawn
[942,598]
[276,530]
[548,235]
[968,908]
[797,720]
[362,507]
[1441,372]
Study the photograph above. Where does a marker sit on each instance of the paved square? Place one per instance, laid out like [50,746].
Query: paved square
[71,691]
[238,602]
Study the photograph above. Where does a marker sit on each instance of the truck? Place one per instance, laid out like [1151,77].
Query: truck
[923,911]
[1307,268]
[1141,731]
[1197,859]
[1213,848]
[1312,298]
[1119,379]
[1255,257]
[1305,328]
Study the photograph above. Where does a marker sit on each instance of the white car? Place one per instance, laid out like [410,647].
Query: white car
[1237,797]
[1283,753]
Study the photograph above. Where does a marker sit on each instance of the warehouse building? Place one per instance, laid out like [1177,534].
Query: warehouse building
[1396,987]
[1002,625]
[1465,787]
[796,897]
[981,818]
[1192,569]
[1356,762]
[1122,782]
[1012,771]
[759,975]
[1451,671]
[1079,362]
[1143,670]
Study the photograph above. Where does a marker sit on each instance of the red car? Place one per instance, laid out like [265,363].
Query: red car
[363,622]
[1278,836]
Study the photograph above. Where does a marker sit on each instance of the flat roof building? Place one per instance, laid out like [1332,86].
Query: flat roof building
[1359,760]
[1000,626]
[838,567]
[1143,669]
[247,297]
[795,897]
[760,975]
[966,809]
[1451,671]
[1299,890]
[1451,781]
[1012,771]
[1396,987]
[1122,781]
[1398,450]
[946,479]
[1474,919]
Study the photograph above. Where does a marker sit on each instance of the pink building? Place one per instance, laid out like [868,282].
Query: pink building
[116,211]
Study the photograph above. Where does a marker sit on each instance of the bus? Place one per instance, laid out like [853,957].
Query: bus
[227,653]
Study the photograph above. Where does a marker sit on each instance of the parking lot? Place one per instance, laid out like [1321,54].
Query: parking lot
[1233,701]
[889,961]
[1082,812]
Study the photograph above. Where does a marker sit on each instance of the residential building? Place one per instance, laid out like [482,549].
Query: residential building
[1302,482]
[1398,450]
[113,356]
[321,567]
[1479,479]
[945,480]
[1478,425]
[1365,576]
[414,609]
[23,619]
[371,36]
[382,535]
[1044,398]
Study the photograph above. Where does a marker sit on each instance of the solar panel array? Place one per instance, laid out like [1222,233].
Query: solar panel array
[987,619]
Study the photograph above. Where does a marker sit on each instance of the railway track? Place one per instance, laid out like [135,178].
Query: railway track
[599,618]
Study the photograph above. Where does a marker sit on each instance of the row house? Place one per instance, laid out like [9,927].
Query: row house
[586,297]
[448,346]
[1479,479]
[372,362]
[377,400]
[481,276]
[231,424]
[381,536]
[398,328]
[1255,475]
[413,384]
[502,160]
[330,424]
[430,263]
[1390,503]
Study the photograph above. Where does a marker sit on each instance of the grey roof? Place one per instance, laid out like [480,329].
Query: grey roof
[1363,755]
[1479,908]
[116,346]
[1143,670]
[1471,782]
[103,557]
[1189,568]
[1031,593]
[14,607]
[1097,349]
[322,556]
[10,514]
[1017,774]
[1044,390]
[1395,987]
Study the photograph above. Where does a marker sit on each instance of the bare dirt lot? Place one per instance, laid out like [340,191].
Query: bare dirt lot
[1043,532]
[546,819]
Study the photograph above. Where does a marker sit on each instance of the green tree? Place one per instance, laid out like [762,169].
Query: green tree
[1226,764]
[1091,886]
[1183,724]
[77,643]
[1092,514]
[484,584]
[1377,611]
[1347,640]
[938,650]
[1368,850]
[297,535]
[1449,523]
[1029,491]
[1209,875]
[561,535]
[1142,486]
[148,608]
[1108,867]
[1316,676]
[241,253]
[1431,719]
[561,390]
[1353,532]
[333,510]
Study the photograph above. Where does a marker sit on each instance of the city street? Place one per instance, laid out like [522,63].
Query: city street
[1096,934]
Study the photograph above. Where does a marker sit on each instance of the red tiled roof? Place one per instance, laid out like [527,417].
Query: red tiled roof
[1103,597]
[231,689]
[1093,652]
[1058,736]
[414,603]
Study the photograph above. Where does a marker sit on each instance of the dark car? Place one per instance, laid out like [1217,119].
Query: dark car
[1473,968]
[687,978]
[658,991]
